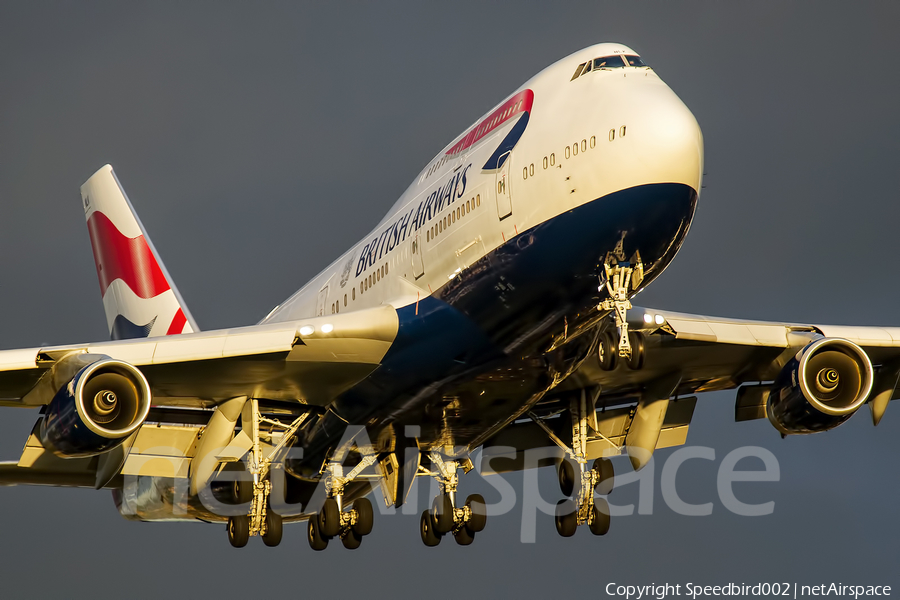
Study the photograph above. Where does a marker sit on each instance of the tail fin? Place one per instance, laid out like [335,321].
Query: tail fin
[139,297]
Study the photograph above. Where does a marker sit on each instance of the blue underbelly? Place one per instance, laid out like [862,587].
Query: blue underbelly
[499,316]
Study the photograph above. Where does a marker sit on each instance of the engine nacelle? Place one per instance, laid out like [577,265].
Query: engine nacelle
[821,387]
[104,403]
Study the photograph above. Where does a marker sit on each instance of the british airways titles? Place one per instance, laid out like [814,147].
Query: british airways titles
[412,221]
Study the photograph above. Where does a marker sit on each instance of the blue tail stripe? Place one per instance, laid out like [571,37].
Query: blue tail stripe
[123,329]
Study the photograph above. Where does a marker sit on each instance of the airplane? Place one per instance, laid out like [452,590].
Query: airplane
[490,308]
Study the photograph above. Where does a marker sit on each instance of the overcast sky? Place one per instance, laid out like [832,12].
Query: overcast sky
[259,140]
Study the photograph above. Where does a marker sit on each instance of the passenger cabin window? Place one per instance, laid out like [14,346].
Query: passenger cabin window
[609,62]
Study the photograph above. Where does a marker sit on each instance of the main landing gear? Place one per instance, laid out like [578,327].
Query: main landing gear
[578,483]
[621,278]
[261,520]
[333,521]
[445,515]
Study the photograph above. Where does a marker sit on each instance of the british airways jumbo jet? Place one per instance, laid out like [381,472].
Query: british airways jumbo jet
[491,300]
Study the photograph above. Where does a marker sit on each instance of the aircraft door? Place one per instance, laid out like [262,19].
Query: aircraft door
[502,188]
[321,300]
[417,265]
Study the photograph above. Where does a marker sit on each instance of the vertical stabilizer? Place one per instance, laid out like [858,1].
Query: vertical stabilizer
[139,296]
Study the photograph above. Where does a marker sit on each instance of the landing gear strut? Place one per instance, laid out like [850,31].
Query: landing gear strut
[576,481]
[261,520]
[332,520]
[445,515]
[621,278]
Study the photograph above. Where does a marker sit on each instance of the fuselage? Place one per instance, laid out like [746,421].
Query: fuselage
[493,255]
[582,139]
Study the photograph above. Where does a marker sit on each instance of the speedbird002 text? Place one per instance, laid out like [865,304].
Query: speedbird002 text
[489,309]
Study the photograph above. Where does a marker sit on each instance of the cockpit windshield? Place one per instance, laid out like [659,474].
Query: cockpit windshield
[608,62]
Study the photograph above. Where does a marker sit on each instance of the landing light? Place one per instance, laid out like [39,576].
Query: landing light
[307,330]
[648,318]
[660,319]
[327,327]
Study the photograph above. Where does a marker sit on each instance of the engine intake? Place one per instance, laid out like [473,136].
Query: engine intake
[821,387]
[104,403]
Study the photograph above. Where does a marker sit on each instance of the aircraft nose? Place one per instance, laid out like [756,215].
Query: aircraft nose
[664,137]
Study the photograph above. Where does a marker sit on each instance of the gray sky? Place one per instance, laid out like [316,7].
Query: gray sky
[258,141]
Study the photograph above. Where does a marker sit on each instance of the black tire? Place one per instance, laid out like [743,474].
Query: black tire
[365,517]
[274,529]
[478,520]
[426,529]
[636,339]
[242,486]
[464,536]
[566,475]
[607,351]
[239,530]
[599,524]
[566,519]
[351,540]
[606,476]
[314,536]
[442,514]
[330,518]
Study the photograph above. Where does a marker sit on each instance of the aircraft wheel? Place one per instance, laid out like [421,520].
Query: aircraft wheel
[426,528]
[330,518]
[606,476]
[478,520]
[442,511]
[316,540]
[566,474]
[566,519]
[464,536]
[351,540]
[274,529]
[365,517]
[239,530]
[636,339]
[607,351]
[241,489]
[599,524]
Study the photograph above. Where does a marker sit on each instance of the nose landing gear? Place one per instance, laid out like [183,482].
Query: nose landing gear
[621,278]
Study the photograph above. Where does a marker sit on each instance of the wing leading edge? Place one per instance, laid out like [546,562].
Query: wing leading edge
[278,361]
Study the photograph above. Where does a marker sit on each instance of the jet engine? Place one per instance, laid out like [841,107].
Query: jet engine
[820,388]
[104,403]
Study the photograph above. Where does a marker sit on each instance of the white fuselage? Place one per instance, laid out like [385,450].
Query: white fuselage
[605,131]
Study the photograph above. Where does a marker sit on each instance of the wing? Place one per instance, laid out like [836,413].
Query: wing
[309,362]
[289,365]
[712,353]
[649,407]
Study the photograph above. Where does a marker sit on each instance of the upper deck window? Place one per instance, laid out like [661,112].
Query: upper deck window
[634,61]
[608,62]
